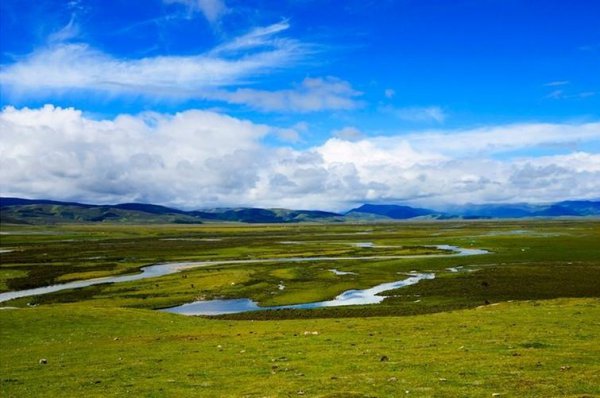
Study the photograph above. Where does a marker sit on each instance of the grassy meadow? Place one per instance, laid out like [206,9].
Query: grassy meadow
[522,320]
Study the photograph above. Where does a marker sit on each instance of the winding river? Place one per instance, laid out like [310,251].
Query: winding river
[349,297]
[157,270]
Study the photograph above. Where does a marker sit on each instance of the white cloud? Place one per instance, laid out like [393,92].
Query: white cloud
[348,133]
[504,138]
[561,94]
[258,37]
[556,94]
[557,83]
[199,159]
[75,67]
[67,32]
[293,134]
[188,157]
[288,135]
[313,94]
[389,93]
[212,10]
[418,114]
[62,67]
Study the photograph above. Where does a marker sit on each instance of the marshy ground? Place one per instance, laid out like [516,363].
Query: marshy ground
[522,320]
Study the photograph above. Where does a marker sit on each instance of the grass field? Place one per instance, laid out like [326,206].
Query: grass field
[523,320]
[526,349]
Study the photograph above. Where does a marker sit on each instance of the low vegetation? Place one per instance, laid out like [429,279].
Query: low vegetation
[519,321]
[524,349]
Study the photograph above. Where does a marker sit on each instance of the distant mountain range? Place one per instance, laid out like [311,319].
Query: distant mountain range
[573,208]
[394,212]
[32,211]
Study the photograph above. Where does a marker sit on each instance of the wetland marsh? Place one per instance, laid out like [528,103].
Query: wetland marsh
[108,339]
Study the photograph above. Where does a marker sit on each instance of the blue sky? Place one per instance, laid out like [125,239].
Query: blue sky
[365,89]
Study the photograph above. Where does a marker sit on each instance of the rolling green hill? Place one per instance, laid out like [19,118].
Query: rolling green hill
[39,212]
[26,211]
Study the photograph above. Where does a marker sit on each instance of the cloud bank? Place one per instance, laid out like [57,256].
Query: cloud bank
[196,159]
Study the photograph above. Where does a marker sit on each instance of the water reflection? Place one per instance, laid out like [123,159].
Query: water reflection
[153,271]
[349,297]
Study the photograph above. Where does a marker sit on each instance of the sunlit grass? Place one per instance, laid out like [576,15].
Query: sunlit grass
[526,349]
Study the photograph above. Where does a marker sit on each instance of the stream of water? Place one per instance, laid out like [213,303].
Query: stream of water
[156,270]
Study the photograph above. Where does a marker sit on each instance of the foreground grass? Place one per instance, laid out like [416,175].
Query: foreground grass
[518,349]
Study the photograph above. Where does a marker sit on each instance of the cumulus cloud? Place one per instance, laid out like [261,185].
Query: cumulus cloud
[288,135]
[291,134]
[194,156]
[196,159]
[65,67]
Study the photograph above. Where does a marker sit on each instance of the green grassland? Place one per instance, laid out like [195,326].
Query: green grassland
[525,349]
[523,320]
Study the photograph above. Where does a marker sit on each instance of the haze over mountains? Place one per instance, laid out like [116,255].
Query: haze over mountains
[32,211]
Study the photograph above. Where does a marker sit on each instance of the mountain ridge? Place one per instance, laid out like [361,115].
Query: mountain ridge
[43,211]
